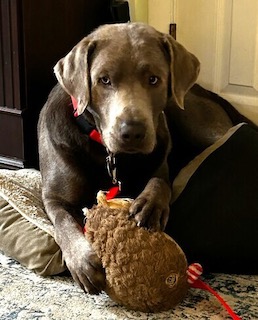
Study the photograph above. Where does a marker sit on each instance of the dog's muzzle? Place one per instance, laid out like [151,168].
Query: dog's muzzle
[132,133]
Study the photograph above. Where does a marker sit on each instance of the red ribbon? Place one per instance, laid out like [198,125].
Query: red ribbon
[194,271]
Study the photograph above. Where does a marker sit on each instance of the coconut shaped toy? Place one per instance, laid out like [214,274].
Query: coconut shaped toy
[145,270]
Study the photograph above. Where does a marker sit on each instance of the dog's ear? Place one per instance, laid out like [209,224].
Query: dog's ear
[72,73]
[184,69]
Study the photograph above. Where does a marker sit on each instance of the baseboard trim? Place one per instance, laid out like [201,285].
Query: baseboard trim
[11,163]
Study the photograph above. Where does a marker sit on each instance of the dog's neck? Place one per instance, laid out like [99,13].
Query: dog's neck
[90,129]
[85,126]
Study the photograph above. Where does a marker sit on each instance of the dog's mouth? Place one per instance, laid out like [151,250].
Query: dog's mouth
[117,146]
[130,150]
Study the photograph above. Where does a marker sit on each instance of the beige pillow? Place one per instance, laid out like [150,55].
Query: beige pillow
[26,233]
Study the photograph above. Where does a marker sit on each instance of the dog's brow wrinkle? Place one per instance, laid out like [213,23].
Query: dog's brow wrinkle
[144,67]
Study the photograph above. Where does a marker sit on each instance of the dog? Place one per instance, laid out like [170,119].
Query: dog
[127,83]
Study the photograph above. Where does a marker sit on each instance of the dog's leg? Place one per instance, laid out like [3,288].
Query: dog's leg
[151,208]
[82,262]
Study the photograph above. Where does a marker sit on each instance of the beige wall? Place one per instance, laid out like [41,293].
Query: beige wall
[139,10]
[154,12]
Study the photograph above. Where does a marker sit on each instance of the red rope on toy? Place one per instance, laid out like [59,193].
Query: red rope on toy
[193,272]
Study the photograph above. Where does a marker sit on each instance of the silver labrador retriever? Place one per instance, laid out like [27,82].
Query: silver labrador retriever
[121,78]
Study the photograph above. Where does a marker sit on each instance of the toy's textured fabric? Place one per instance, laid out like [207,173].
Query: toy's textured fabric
[26,233]
[145,270]
[214,216]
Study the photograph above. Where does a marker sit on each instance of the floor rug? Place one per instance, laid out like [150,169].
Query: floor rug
[25,296]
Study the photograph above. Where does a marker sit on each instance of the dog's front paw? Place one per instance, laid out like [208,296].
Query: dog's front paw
[151,208]
[85,267]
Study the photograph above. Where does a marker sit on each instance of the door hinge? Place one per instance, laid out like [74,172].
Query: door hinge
[172,30]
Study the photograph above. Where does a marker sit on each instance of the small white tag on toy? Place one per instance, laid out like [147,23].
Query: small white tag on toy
[117,203]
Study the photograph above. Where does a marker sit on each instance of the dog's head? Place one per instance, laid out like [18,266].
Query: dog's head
[126,73]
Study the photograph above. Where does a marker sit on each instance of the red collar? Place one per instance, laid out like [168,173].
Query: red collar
[84,125]
[91,131]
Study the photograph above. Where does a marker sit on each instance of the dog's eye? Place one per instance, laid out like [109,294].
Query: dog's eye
[153,80]
[105,80]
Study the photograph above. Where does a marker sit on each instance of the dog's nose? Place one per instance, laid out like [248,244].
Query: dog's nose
[132,132]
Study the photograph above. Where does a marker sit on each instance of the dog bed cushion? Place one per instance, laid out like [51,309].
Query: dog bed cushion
[26,234]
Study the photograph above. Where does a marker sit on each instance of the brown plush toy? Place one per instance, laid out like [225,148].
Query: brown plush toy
[145,271]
